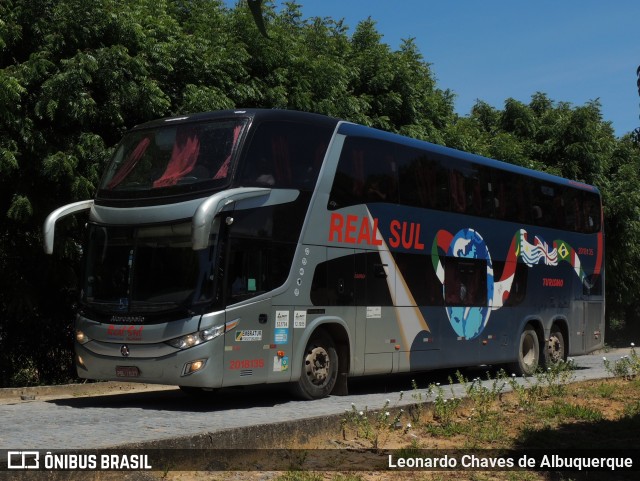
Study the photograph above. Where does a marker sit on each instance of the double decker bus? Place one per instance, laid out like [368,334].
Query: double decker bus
[265,246]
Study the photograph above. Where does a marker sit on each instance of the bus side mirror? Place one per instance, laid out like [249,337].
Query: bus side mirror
[50,222]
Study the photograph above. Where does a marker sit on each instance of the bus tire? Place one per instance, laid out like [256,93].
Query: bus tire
[556,348]
[319,368]
[528,353]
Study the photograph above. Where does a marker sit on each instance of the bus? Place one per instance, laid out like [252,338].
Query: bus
[259,246]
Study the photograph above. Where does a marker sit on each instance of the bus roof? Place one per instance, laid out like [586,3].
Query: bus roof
[253,114]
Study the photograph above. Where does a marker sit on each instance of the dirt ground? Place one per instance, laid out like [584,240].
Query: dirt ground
[580,416]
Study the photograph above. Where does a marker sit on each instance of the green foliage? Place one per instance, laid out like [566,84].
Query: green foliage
[482,396]
[75,74]
[444,410]
[627,367]
[300,476]
[527,391]
[554,378]
[561,410]
[374,427]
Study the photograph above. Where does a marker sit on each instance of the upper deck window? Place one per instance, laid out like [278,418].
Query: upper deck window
[284,154]
[172,159]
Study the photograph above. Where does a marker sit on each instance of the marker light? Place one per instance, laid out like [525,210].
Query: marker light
[80,362]
[190,340]
[193,366]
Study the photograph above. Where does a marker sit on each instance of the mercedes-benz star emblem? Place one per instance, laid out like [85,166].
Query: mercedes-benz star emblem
[124,350]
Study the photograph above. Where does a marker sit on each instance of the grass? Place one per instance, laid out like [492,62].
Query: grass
[546,411]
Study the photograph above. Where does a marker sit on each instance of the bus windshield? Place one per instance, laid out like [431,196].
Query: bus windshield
[173,156]
[146,269]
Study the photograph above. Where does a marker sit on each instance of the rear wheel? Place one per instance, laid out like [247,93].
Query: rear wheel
[556,349]
[319,368]
[528,353]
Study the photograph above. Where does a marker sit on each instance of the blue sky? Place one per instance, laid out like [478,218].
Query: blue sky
[572,50]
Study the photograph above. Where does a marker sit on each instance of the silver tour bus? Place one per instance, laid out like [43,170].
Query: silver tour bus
[266,246]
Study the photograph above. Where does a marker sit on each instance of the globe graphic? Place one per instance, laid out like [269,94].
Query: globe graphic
[469,321]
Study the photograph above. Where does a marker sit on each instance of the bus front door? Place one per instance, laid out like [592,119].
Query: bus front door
[246,361]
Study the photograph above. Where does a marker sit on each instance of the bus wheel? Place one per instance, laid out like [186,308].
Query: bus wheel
[319,368]
[528,353]
[556,349]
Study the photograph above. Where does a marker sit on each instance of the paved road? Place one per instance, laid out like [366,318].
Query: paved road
[142,417]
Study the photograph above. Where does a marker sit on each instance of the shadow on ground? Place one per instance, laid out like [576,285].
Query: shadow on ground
[600,439]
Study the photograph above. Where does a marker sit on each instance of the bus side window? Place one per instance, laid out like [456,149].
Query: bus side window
[542,204]
[284,154]
[347,183]
[593,286]
[380,174]
[482,192]
[256,266]
[367,172]
[518,290]
[573,210]
[422,179]
[591,209]
[458,191]
[420,278]
[513,192]
[465,281]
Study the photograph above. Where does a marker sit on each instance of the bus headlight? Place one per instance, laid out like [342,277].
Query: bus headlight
[81,337]
[190,340]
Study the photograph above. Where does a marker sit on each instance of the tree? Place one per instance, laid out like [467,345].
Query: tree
[75,74]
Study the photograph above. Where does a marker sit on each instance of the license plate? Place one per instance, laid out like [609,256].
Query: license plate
[127,371]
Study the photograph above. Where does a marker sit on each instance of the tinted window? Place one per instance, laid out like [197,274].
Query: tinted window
[465,281]
[256,267]
[367,172]
[284,154]
[423,179]
[172,159]
[371,170]
[333,282]
[420,277]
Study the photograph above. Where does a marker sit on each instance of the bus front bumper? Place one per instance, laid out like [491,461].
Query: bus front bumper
[198,366]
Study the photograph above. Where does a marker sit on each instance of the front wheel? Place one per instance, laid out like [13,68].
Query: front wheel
[319,368]
[528,353]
